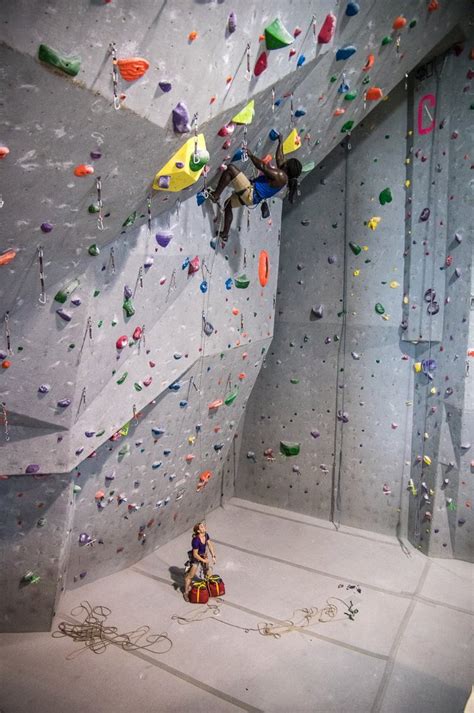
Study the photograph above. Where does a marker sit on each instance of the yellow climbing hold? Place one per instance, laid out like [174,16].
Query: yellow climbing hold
[373,222]
[177,174]
[365,248]
[386,317]
[417,366]
[407,183]
[356,273]
[427,460]
[394,284]
[433,390]
[246,115]
[292,142]
[406,300]
[191,440]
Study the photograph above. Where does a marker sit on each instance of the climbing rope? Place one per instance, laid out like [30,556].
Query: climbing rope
[96,636]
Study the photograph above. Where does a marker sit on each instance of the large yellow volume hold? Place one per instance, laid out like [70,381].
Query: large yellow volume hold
[177,174]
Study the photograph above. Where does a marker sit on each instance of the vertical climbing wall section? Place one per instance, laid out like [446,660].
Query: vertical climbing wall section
[360,414]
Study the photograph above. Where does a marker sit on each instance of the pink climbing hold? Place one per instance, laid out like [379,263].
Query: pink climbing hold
[227,130]
[297,31]
[328,29]
[121,342]
[137,333]
[4,151]
[193,265]
[261,64]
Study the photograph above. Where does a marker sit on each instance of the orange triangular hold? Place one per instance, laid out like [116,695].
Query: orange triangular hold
[374,93]
[132,68]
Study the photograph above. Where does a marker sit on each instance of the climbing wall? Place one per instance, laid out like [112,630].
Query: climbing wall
[123,319]
[349,419]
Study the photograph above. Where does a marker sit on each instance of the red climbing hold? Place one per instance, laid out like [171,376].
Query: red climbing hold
[137,333]
[193,265]
[373,94]
[328,29]
[369,63]
[83,170]
[121,342]
[132,68]
[261,64]
[433,5]
[4,151]
[399,22]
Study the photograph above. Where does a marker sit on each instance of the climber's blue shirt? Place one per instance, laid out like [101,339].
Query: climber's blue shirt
[262,189]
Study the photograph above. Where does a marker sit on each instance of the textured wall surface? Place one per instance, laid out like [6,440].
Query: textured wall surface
[383,446]
[84,417]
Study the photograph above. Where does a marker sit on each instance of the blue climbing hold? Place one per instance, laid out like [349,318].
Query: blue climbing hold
[175,386]
[157,431]
[203,287]
[238,155]
[300,112]
[200,198]
[228,283]
[301,60]
[156,464]
[273,135]
[183,403]
[345,52]
[352,9]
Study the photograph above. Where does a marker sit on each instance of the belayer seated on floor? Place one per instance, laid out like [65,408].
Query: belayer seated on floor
[200,544]
[251,192]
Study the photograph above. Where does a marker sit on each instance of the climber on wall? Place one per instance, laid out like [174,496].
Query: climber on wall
[200,543]
[251,192]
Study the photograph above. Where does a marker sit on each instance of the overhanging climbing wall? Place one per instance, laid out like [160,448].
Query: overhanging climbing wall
[366,376]
[104,251]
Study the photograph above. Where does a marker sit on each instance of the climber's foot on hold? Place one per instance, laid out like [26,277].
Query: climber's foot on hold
[185,597]
[213,197]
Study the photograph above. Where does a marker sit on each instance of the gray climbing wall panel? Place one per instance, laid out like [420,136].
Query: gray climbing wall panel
[390,449]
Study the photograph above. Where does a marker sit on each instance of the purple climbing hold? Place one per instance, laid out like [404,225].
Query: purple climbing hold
[164,181]
[46,227]
[84,538]
[127,292]
[64,315]
[148,262]
[165,86]
[179,164]
[79,451]
[343,416]
[315,433]
[425,214]
[95,155]
[163,239]
[44,388]
[89,434]
[332,259]
[232,22]
[181,118]
[32,468]
[64,403]
[76,301]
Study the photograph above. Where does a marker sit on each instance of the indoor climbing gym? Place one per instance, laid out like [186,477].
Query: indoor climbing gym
[236,356]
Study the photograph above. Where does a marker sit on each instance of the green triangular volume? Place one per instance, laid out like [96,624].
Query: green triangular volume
[277,36]
[289,449]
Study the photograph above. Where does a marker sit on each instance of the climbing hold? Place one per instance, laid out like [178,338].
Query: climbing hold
[369,63]
[387,40]
[242,282]
[7,257]
[289,449]
[132,68]
[379,308]
[68,65]
[292,142]
[273,135]
[343,88]
[373,94]
[412,23]
[181,118]
[226,130]
[345,52]
[347,127]
[424,215]
[277,36]
[350,96]
[83,170]
[385,196]
[4,151]
[163,239]
[193,35]
[261,64]
[64,315]
[328,29]
[122,378]
[373,222]
[121,342]
[165,86]
[301,60]
[352,9]
[94,208]
[356,249]
[394,284]
[130,220]
[230,398]
[198,160]
[64,403]
[215,404]
[94,250]
[433,5]
[339,112]
[399,22]
[44,388]
[263,268]
[137,334]
[427,460]
[317,312]
[63,294]
[172,178]
[46,227]
[245,116]
[232,22]
[128,307]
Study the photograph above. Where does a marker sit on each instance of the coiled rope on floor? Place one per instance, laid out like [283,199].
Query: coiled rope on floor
[97,636]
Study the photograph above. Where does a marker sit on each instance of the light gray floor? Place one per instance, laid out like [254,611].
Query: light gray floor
[408,649]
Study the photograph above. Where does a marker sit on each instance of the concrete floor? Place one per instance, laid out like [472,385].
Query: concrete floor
[409,647]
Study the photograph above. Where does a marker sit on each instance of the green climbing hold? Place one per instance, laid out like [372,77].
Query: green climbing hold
[122,378]
[68,65]
[345,128]
[308,167]
[202,158]
[94,208]
[94,250]
[128,307]
[242,282]
[231,397]
[277,36]
[387,40]
[412,23]
[385,196]
[350,96]
[379,308]
[294,381]
[96,293]
[356,249]
[130,220]
[100,433]
[333,78]
[63,294]
[137,386]
[289,449]
[366,80]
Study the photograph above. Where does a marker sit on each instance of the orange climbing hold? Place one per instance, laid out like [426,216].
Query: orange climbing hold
[204,478]
[7,257]
[192,36]
[373,94]
[263,268]
[235,311]
[215,404]
[266,159]
[4,151]
[339,112]
[132,68]
[399,22]
[6,364]
[99,495]
[83,170]
[242,375]
[369,63]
